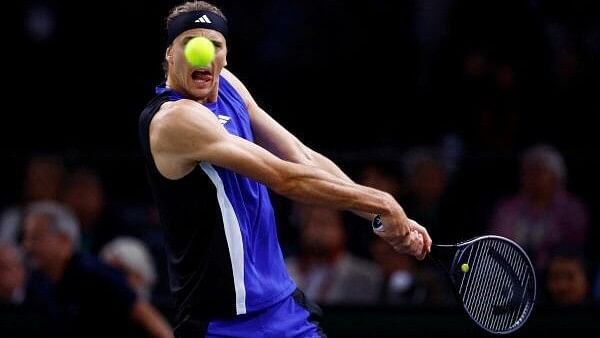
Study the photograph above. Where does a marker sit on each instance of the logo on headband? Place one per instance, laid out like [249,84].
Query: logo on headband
[203,19]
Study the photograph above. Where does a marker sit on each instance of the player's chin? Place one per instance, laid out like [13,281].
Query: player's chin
[200,92]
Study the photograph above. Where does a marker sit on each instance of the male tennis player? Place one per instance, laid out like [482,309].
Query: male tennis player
[211,153]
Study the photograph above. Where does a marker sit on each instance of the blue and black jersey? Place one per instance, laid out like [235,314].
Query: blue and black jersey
[223,253]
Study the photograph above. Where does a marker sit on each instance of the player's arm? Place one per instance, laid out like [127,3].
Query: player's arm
[184,133]
[273,136]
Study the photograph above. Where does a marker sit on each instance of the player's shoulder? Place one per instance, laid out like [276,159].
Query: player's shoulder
[237,84]
[178,109]
[231,78]
[182,105]
[177,115]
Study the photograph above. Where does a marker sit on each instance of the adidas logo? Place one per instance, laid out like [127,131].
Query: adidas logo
[223,118]
[203,19]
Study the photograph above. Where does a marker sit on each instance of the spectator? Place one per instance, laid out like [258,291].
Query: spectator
[325,270]
[427,198]
[381,175]
[12,275]
[43,177]
[83,193]
[89,294]
[405,282]
[131,256]
[26,309]
[542,215]
[567,281]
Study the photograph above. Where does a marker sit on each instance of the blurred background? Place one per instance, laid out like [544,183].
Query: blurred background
[479,116]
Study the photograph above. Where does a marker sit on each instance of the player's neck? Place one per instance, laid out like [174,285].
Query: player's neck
[211,97]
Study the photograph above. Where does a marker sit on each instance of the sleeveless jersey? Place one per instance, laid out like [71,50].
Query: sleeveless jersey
[221,238]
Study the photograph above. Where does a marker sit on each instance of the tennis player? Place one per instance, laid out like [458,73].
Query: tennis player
[211,154]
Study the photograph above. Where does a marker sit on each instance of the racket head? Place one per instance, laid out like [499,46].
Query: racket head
[497,288]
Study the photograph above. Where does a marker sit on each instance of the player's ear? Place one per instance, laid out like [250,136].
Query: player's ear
[169,55]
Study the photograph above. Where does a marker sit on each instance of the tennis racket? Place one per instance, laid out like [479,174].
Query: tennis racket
[492,277]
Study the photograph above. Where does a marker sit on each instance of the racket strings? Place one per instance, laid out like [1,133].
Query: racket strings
[503,292]
[496,291]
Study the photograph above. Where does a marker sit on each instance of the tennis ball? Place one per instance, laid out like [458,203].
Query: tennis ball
[464,267]
[199,51]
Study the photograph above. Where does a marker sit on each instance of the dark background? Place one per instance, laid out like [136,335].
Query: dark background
[354,81]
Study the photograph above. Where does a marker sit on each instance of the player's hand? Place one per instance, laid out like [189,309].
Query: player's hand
[404,235]
[426,240]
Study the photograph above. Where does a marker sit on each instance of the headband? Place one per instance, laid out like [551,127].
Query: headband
[195,19]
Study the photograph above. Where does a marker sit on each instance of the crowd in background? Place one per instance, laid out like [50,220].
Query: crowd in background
[497,108]
[332,255]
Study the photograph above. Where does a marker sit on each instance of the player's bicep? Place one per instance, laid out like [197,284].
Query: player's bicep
[248,159]
[182,134]
[187,135]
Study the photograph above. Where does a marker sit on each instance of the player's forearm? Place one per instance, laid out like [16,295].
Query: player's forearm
[317,186]
[329,166]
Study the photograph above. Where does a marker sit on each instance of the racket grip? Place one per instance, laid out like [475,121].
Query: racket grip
[377,223]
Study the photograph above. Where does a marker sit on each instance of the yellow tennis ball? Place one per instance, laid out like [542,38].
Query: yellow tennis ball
[464,267]
[199,51]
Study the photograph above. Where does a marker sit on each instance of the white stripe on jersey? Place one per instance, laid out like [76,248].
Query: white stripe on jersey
[234,238]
